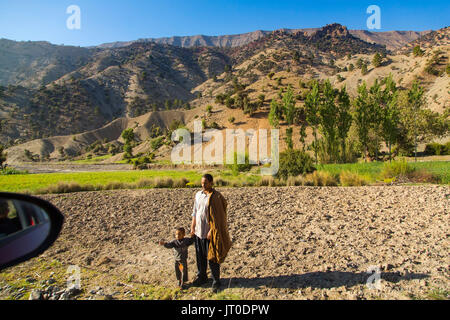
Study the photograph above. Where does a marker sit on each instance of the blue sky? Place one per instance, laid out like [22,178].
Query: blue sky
[107,21]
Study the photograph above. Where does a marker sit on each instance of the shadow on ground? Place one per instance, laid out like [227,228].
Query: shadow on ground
[320,280]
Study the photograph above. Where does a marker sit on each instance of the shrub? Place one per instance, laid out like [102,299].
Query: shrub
[145,183]
[396,169]
[220,182]
[6,171]
[163,183]
[114,185]
[319,179]
[295,181]
[423,176]
[65,187]
[157,143]
[294,162]
[236,168]
[141,162]
[349,179]
[266,181]
[437,149]
[417,51]
[180,183]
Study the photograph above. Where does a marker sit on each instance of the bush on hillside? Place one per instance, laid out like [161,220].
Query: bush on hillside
[294,162]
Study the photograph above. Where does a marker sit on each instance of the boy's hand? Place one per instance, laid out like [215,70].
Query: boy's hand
[209,235]
[162,242]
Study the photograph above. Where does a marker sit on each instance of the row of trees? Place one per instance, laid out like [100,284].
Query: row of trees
[380,113]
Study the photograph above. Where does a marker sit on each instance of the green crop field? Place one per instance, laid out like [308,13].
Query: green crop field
[34,182]
[372,170]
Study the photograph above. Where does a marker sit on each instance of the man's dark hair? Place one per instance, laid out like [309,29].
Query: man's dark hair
[208,177]
[181,229]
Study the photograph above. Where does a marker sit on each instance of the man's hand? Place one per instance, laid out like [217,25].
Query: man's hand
[193,226]
[161,242]
[209,235]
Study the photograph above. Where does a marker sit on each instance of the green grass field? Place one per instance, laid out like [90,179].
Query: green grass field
[34,182]
[372,170]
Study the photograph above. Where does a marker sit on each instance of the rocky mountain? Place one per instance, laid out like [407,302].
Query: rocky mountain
[128,81]
[32,64]
[391,39]
[145,78]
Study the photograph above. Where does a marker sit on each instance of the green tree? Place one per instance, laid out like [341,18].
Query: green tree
[167,104]
[294,162]
[312,102]
[417,51]
[377,59]
[344,119]
[416,101]
[275,113]
[390,114]
[289,105]
[360,63]
[377,103]
[302,132]
[328,121]
[61,152]
[261,99]
[288,139]
[363,117]
[128,150]
[229,102]
[416,124]
[128,135]
[364,69]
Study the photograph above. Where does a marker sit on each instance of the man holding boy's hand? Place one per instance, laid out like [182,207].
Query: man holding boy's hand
[210,231]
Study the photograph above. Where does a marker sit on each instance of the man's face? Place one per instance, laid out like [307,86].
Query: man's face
[206,185]
[179,234]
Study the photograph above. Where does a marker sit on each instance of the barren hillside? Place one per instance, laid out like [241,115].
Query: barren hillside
[132,81]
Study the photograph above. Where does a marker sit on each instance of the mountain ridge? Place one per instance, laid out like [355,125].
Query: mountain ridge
[392,39]
[150,77]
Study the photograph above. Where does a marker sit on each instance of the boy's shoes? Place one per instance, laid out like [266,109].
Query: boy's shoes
[198,282]
[215,287]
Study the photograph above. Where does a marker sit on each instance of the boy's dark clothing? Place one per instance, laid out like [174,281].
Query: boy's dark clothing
[201,249]
[178,271]
[180,248]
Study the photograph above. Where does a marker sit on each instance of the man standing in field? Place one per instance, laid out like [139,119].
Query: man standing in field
[210,230]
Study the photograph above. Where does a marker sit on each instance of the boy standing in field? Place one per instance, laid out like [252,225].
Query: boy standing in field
[180,248]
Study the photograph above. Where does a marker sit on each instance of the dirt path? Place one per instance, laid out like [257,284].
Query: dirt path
[289,242]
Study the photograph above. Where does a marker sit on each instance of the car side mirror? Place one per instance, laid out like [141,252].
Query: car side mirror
[28,227]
